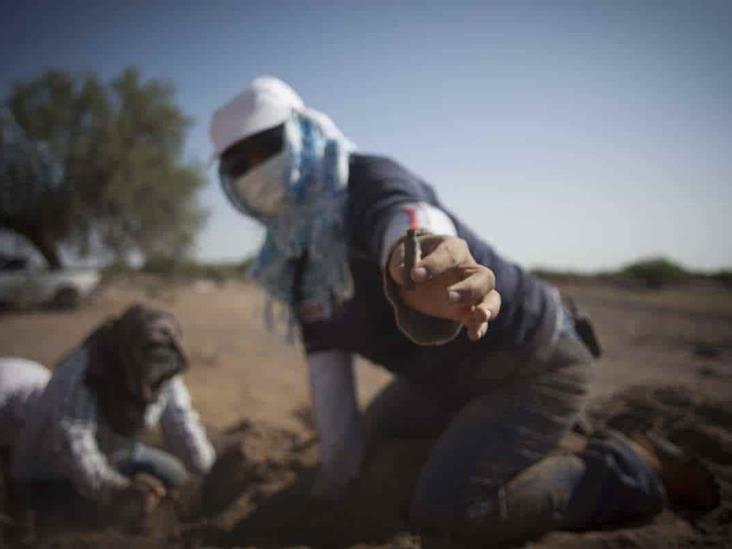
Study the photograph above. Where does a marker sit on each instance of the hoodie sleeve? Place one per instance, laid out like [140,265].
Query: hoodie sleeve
[388,199]
[81,459]
[337,419]
[426,219]
[184,435]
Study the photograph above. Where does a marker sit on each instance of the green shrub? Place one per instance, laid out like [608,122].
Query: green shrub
[191,269]
[656,272]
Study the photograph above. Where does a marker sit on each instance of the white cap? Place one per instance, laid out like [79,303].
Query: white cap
[265,103]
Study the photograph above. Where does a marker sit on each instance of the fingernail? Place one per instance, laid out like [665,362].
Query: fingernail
[419,274]
[453,296]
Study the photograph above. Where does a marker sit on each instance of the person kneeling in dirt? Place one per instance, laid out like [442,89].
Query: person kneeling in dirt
[79,436]
[486,358]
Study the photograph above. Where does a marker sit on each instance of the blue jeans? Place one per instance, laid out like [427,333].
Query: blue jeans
[162,465]
[493,474]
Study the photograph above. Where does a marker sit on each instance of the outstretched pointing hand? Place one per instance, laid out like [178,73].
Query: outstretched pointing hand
[450,284]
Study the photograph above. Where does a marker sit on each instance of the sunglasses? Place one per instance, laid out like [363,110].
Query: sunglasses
[250,151]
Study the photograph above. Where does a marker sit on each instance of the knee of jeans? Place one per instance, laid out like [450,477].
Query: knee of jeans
[174,473]
[165,467]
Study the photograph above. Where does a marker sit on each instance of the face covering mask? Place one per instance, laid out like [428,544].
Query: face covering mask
[263,188]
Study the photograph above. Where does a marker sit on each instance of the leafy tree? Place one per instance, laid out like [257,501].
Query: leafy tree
[96,165]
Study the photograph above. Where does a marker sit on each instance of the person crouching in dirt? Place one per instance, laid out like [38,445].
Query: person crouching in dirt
[80,434]
[485,356]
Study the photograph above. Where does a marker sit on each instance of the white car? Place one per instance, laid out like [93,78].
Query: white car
[23,286]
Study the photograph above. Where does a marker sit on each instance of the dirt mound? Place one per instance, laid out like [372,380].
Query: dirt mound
[258,492]
[373,515]
[703,427]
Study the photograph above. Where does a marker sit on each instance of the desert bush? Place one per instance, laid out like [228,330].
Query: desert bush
[656,272]
[193,269]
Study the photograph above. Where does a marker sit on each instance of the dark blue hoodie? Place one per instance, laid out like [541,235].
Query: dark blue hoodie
[378,187]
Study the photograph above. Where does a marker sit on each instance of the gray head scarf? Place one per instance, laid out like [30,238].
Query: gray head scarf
[130,358]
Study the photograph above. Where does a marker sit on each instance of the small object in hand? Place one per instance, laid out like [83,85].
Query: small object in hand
[412,253]
[411,249]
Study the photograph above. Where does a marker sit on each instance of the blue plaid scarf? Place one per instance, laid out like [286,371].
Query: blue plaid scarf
[316,177]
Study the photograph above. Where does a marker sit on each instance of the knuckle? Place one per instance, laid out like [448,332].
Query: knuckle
[491,277]
[461,247]
[496,301]
[445,249]
[476,294]
[484,280]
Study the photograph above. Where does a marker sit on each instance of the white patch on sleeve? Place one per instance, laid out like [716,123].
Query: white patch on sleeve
[337,418]
[428,219]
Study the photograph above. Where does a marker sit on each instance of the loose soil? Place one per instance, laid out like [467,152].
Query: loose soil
[667,364]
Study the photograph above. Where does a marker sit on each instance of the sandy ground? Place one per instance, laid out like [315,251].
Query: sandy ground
[668,362]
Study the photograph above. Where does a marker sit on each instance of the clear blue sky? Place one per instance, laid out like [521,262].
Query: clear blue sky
[570,134]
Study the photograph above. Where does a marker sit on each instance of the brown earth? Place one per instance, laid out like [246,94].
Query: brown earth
[667,363]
